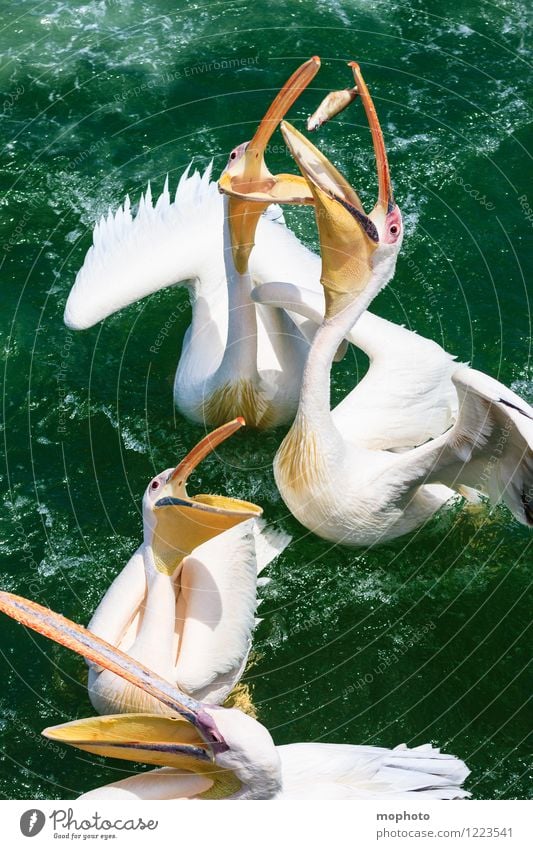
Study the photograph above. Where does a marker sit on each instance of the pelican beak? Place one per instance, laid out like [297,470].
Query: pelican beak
[145,738]
[183,522]
[202,733]
[248,182]
[348,237]
[385,201]
[160,741]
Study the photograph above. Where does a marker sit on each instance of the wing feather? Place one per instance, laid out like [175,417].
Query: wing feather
[489,448]
[370,772]
[219,586]
[134,256]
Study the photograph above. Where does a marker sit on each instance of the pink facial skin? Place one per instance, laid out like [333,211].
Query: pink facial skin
[393,227]
[236,154]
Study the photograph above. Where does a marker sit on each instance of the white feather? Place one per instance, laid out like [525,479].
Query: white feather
[329,771]
[195,630]
[490,447]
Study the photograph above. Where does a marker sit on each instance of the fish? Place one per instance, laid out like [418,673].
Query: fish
[332,104]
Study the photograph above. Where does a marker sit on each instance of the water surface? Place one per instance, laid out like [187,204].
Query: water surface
[422,640]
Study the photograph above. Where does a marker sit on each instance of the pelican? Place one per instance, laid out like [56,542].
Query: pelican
[238,358]
[184,604]
[185,242]
[210,752]
[335,470]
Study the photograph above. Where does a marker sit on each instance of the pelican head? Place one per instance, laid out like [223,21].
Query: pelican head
[355,246]
[234,753]
[175,523]
[247,180]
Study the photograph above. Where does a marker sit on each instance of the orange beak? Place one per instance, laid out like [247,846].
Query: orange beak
[248,182]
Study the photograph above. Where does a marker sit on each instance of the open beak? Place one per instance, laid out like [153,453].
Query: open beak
[202,733]
[160,741]
[385,193]
[183,522]
[250,185]
[145,738]
[348,237]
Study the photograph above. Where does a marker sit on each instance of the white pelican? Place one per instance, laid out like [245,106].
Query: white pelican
[208,752]
[333,469]
[237,358]
[183,243]
[185,603]
[120,269]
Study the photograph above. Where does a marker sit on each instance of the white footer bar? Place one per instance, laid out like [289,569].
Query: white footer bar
[308,824]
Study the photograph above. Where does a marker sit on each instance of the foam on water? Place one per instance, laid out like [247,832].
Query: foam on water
[99,99]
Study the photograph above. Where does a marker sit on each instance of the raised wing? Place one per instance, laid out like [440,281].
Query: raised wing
[489,448]
[162,245]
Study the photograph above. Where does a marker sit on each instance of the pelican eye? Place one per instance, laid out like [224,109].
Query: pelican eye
[233,154]
[154,485]
[393,229]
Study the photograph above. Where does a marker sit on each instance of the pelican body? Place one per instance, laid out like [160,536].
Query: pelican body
[238,358]
[207,752]
[185,603]
[363,473]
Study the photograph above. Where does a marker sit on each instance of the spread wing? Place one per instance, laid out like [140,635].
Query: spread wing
[489,448]
[162,245]
[171,242]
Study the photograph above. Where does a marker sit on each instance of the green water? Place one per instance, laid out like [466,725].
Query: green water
[422,640]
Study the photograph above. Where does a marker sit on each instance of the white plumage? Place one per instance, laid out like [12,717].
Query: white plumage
[301,770]
[364,473]
[330,771]
[353,476]
[200,631]
[230,342]
[208,751]
[182,242]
